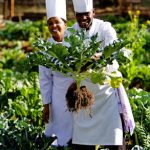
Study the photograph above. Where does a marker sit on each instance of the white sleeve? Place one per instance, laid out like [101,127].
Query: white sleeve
[109,34]
[114,68]
[46,83]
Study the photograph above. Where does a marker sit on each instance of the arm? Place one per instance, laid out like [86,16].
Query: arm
[127,115]
[46,83]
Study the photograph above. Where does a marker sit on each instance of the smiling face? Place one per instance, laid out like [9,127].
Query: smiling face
[85,19]
[57,28]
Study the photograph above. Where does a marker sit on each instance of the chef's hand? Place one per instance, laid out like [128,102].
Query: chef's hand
[46,113]
[94,58]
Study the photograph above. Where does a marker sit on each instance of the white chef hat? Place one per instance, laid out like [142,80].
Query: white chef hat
[56,8]
[82,5]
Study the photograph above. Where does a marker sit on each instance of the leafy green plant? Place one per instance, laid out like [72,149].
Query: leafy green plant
[140,101]
[22,98]
[23,30]
[75,61]
[138,66]
[21,134]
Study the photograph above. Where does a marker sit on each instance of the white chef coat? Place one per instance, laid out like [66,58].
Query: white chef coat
[53,86]
[104,128]
[106,33]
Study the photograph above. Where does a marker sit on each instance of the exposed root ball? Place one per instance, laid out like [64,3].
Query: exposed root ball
[79,98]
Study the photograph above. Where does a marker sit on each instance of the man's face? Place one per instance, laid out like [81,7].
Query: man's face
[85,19]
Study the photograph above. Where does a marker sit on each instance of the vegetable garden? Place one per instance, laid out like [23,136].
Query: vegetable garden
[21,125]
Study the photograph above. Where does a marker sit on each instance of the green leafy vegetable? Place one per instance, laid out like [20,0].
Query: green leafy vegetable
[74,58]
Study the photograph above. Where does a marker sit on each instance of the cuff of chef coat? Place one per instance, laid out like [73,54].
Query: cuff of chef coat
[46,101]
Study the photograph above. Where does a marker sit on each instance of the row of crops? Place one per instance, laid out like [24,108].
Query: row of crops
[21,125]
